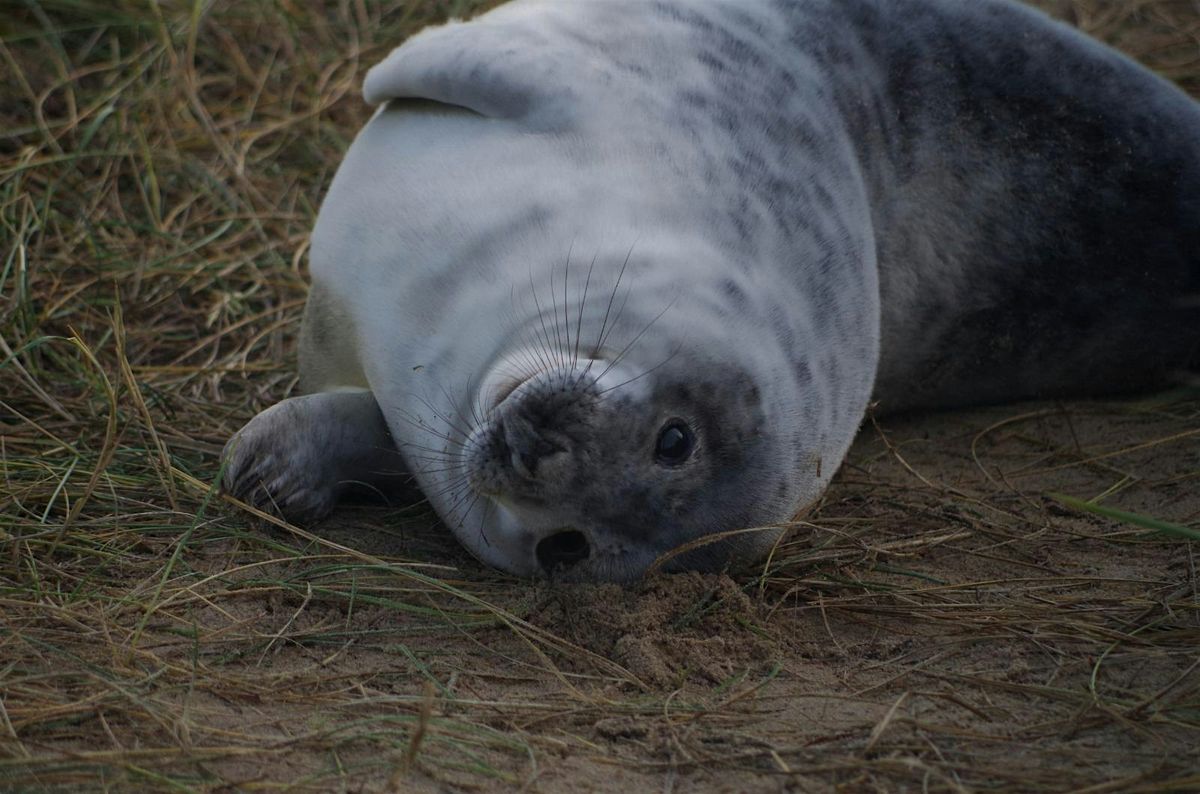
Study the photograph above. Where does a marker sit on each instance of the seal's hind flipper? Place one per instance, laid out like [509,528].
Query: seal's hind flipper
[498,66]
[1046,189]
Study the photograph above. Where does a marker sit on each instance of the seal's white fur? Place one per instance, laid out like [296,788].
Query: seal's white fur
[424,239]
[747,178]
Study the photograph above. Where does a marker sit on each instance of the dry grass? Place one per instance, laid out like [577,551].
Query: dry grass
[941,624]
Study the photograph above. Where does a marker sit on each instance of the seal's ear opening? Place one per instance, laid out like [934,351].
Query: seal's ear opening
[492,66]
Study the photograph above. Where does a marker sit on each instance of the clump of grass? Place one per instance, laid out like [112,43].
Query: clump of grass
[160,166]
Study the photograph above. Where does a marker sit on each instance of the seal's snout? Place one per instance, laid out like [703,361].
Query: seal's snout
[533,438]
[563,549]
[527,445]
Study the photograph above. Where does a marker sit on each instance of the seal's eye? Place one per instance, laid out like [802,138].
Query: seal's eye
[675,443]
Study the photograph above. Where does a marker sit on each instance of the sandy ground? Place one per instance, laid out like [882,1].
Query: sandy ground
[940,622]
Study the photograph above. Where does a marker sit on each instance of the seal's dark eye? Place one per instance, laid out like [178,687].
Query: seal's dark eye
[675,443]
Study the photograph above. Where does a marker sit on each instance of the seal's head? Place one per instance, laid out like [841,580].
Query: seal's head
[595,467]
[737,352]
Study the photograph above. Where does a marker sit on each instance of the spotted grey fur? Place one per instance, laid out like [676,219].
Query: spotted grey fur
[572,222]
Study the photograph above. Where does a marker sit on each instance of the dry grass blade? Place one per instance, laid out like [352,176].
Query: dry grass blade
[1146,522]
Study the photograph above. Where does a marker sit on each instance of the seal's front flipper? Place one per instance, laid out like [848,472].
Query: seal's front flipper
[300,456]
[498,66]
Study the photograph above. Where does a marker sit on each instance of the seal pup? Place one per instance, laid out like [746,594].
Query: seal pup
[609,277]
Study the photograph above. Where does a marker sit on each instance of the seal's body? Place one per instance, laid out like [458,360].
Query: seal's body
[609,277]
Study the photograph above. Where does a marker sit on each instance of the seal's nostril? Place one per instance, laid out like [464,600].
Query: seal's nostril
[563,549]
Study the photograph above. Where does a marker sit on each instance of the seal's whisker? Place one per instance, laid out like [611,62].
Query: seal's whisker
[541,316]
[450,444]
[457,415]
[566,307]
[522,348]
[527,359]
[479,409]
[453,408]
[445,455]
[420,424]
[602,335]
[441,416]
[451,487]
[562,336]
[443,465]
[533,363]
[423,427]
[430,465]
[583,375]
[488,506]
[524,358]
[430,471]
[385,450]
[534,351]
[534,355]
[471,415]
[617,317]
[635,339]
[471,498]
[451,492]
[554,325]
[430,453]
[582,306]
[643,374]
[418,421]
